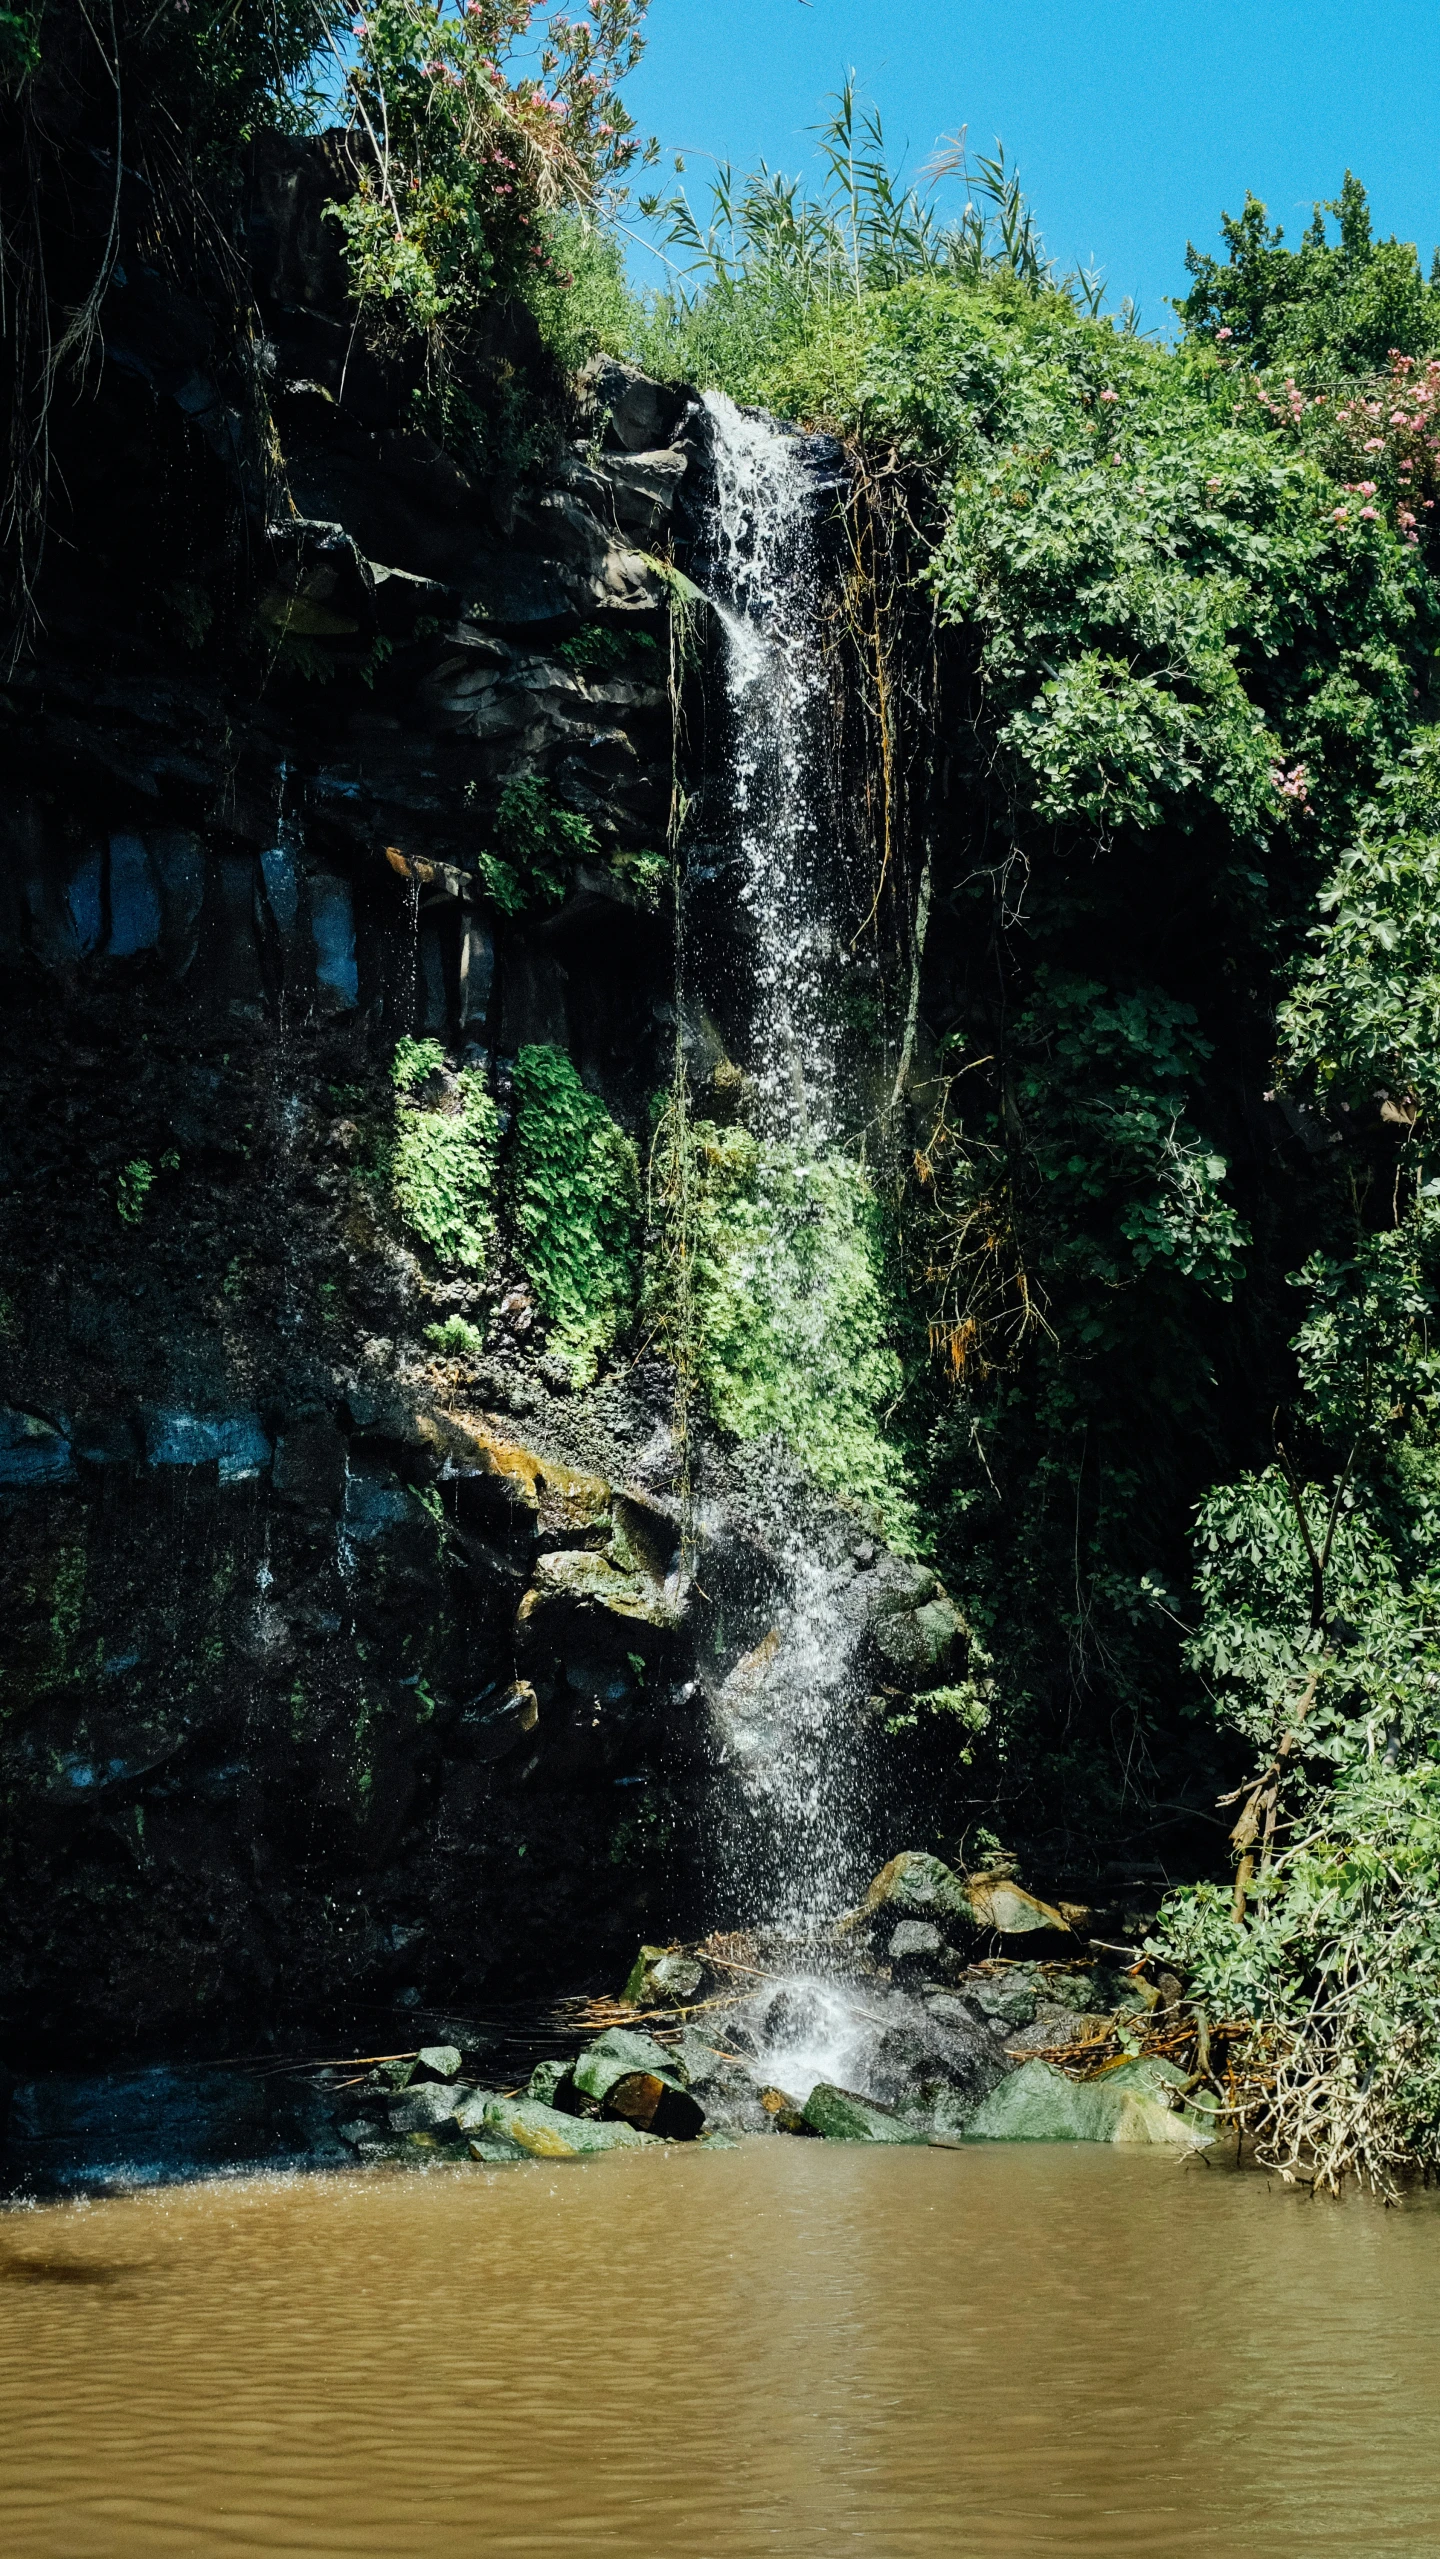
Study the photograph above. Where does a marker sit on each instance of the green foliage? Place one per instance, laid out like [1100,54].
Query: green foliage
[1105,1082]
[132,1190]
[790,1313]
[1327,306]
[1318,1628]
[1338,1965]
[475,171]
[784,278]
[599,650]
[461,1340]
[19,44]
[580,297]
[573,1191]
[538,845]
[442,1155]
[966,1708]
[1363,1020]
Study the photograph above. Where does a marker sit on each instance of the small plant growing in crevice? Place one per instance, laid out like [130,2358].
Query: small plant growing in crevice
[538,845]
[132,1190]
[455,1336]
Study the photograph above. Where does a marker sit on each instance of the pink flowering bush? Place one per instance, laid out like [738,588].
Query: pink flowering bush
[460,157]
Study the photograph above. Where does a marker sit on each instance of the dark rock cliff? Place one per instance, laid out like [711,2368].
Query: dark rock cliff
[341,1669]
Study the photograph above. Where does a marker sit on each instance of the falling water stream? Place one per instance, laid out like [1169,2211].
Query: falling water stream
[786,1824]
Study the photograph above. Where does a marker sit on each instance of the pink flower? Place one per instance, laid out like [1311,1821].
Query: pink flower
[1109,395]
[1212,484]
[1405,516]
[1375,444]
[1367,514]
[1368,486]
[1224,333]
[1340,514]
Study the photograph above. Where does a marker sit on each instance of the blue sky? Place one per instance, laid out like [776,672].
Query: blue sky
[1132,122]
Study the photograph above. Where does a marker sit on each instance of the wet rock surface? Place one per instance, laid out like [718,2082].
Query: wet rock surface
[796,2034]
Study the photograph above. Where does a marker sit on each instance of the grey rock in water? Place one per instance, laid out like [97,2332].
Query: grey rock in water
[837,2115]
[662,1977]
[441,2061]
[914,1939]
[1131,2103]
[542,2133]
[424,2107]
[999,2003]
[545,2081]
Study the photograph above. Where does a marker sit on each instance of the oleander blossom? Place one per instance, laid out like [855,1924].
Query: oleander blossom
[1292,781]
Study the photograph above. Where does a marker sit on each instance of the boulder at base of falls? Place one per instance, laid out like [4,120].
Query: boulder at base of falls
[543,2134]
[996,1902]
[546,2080]
[636,2079]
[728,2091]
[438,2061]
[424,2107]
[838,2115]
[917,1886]
[663,1977]
[915,1941]
[1038,2103]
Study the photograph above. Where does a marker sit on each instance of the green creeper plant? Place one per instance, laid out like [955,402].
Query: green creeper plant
[443,1155]
[572,1187]
[539,844]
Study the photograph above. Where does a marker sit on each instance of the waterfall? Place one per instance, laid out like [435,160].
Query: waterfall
[787,1816]
[763,578]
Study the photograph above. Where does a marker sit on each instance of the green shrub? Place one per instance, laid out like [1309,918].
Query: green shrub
[539,843]
[573,1192]
[132,1190]
[442,1156]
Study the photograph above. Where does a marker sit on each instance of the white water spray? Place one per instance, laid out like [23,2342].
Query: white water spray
[787,1817]
[764,580]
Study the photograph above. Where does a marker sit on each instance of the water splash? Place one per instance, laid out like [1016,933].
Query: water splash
[789,1819]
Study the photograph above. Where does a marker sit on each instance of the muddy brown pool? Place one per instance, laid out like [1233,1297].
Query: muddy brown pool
[793,2347]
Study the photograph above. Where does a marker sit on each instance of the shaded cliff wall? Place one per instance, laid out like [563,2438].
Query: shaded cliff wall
[273,1734]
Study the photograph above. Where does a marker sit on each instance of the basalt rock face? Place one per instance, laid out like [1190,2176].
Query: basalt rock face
[333,1673]
[347,1676]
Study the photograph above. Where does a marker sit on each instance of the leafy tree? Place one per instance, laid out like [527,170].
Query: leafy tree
[1329,306]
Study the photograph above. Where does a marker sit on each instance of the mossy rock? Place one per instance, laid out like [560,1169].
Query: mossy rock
[542,2133]
[632,2077]
[837,2115]
[1126,2104]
